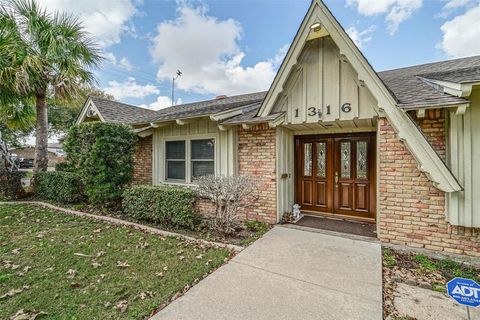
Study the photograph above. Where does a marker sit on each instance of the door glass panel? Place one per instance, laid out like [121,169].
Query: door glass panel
[362,160]
[345,159]
[321,159]
[307,159]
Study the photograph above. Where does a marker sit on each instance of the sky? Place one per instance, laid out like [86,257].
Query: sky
[235,47]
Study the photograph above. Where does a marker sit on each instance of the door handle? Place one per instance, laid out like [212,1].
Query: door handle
[336,179]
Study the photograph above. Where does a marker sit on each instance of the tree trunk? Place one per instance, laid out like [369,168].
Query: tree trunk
[41,143]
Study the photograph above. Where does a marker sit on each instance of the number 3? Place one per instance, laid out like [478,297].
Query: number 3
[346,107]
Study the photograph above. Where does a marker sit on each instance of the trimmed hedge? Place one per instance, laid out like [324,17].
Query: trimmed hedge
[160,204]
[11,184]
[59,186]
[102,154]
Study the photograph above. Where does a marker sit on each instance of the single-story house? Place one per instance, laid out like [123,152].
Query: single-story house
[28,152]
[397,148]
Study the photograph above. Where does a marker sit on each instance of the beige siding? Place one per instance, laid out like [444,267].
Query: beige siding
[463,155]
[321,83]
[225,145]
[285,170]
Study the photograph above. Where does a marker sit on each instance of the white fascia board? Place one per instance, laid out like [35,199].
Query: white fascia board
[222,115]
[455,89]
[86,106]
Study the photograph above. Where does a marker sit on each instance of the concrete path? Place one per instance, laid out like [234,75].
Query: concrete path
[290,274]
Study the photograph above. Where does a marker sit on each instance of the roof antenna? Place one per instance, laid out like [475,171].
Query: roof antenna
[179,74]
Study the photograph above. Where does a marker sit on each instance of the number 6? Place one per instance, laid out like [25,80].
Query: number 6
[346,107]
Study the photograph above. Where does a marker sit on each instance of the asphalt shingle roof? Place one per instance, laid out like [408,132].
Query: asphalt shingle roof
[113,111]
[411,90]
[409,86]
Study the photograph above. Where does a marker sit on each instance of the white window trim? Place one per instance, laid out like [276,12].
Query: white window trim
[188,160]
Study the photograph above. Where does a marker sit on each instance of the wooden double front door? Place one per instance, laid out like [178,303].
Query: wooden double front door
[335,174]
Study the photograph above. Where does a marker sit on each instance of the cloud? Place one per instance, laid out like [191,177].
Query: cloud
[360,37]
[208,53]
[395,11]
[162,102]
[452,5]
[125,64]
[105,20]
[130,89]
[460,36]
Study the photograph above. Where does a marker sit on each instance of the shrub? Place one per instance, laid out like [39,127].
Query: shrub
[230,195]
[11,184]
[59,186]
[63,166]
[102,154]
[160,204]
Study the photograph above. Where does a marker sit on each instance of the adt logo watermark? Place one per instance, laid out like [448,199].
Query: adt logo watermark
[464,291]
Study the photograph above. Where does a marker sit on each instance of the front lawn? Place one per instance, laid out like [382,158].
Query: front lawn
[69,267]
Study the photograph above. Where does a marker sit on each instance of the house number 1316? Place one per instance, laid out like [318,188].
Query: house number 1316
[312,111]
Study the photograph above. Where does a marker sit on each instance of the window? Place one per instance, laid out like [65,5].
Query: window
[175,160]
[186,160]
[202,158]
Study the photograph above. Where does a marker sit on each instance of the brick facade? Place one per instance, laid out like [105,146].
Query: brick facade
[256,158]
[411,209]
[142,161]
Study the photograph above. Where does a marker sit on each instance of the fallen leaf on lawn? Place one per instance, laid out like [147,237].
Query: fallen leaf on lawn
[145,294]
[13,292]
[122,305]
[143,245]
[26,315]
[97,230]
[107,304]
[108,244]
[40,235]
[181,257]
[179,251]
[208,262]
[100,253]
[15,266]
[25,269]
[80,254]
[49,269]
[200,256]
[96,264]
[102,276]
[16,251]
[159,274]
[123,264]
[75,285]
[165,268]
[71,273]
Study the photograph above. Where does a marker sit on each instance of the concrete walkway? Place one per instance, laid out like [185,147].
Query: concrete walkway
[290,274]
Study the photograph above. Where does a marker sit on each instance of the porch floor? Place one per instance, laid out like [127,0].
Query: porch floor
[339,225]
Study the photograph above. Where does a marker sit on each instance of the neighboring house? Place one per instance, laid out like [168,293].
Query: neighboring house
[396,148]
[56,148]
[29,153]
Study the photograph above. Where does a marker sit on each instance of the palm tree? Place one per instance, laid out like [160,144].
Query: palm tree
[42,55]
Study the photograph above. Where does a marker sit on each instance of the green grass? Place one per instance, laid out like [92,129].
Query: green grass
[39,248]
[389,259]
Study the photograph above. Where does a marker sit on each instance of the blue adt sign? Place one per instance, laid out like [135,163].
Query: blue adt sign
[464,291]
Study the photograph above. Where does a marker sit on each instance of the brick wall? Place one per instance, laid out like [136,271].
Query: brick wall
[256,158]
[142,161]
[412,210]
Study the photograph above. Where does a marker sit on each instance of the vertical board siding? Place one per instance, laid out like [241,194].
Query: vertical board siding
[285,165]
[320,84]
[464,160]
[225,145]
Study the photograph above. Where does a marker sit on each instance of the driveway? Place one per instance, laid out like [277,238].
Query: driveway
[290,274]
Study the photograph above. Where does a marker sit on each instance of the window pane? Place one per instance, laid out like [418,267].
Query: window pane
[203,149]
[202,168]
[362,160]
[321,159]
[175,150]
[307,159]
[345,159]
[175,170]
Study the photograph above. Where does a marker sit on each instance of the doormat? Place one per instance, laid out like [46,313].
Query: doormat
[339,225]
